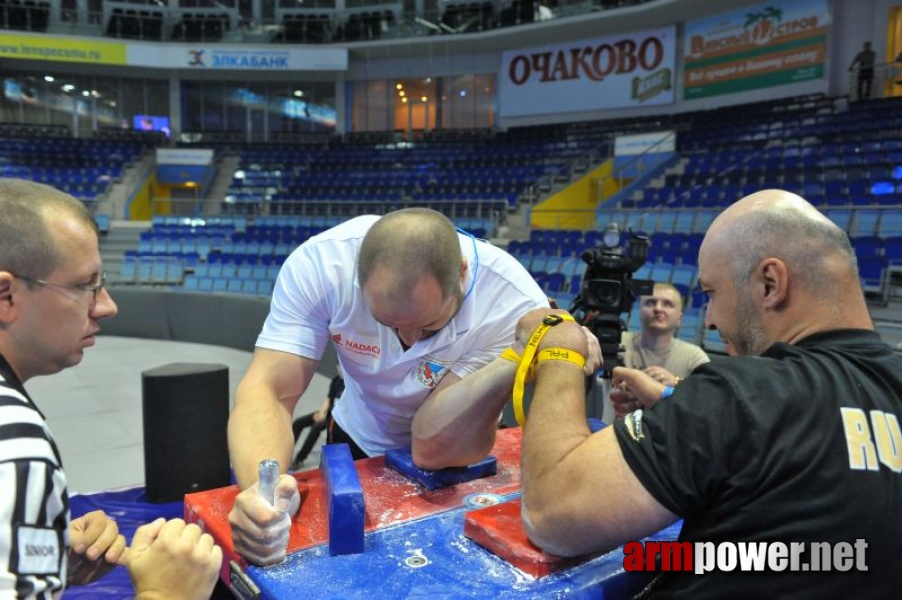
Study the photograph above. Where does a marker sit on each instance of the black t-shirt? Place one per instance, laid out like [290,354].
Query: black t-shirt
[801,444]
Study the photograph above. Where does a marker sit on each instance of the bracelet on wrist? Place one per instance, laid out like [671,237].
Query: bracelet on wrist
[667,392]
[527,363]
[565,354]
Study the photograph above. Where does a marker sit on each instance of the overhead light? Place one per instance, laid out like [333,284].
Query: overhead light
[299,93]
[48,78]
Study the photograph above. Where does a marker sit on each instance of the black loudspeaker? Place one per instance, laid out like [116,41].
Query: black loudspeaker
[186,413]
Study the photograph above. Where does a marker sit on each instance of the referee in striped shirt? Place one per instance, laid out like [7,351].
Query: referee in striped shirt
[52,298]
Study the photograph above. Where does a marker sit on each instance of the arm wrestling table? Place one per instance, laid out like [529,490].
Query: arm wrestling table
[414,544]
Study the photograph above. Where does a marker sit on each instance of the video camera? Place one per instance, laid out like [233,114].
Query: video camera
[608,290]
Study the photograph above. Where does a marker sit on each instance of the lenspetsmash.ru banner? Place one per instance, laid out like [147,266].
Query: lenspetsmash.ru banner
[705,557]
[633,69]
[761,46]
[61,49]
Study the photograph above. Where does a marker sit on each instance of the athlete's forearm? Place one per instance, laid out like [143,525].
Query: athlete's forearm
[456,425]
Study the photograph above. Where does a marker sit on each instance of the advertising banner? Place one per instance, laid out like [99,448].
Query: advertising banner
[170,56]
[61,49]
[240,58]
[184,156]
[764,45]
[634,69]
[632,145]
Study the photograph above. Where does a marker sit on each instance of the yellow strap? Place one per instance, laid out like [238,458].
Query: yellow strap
[526,362]
[511,355]
[562,354]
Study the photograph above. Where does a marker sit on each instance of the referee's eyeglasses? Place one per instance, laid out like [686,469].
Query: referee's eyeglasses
[92,287]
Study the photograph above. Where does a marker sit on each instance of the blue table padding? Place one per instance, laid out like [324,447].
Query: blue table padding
[431,558]
[596,424]
[401,460]
[344,499]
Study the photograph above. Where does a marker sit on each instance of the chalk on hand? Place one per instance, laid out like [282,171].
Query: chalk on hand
[268,477]
[401,460]
[344,499]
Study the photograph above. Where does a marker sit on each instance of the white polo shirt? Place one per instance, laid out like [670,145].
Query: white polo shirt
[317,298]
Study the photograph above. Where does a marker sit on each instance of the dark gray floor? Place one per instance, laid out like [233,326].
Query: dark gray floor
[95,408]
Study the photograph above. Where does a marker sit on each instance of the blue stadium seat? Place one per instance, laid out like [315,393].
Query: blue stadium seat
[144,271]
[841,217]
[264,287]
[662,272]
[892,250]
[245,271]
[644,271]
[103,222]
[691,326]
[174,272]
[864,223]
[867,246]
[684,221]
[666,220]
[890,223]
[703,220]
[684,275]
[555,283]
[128,270]
[872,272]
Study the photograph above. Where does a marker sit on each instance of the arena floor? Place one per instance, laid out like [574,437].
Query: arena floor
[95,408]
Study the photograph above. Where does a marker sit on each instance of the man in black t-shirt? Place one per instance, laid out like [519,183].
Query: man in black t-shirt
[795,443]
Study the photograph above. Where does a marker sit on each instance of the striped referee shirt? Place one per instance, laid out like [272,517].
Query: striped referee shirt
[34,502]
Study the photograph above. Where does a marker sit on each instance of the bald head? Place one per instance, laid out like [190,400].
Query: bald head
[407,244]
[775,269]
[776,223]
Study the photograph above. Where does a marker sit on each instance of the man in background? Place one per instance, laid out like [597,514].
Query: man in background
[655,349]
[864,60]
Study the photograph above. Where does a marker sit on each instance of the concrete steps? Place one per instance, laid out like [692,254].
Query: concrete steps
[122,236]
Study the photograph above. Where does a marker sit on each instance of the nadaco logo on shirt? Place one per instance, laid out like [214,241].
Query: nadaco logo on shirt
[373,350]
